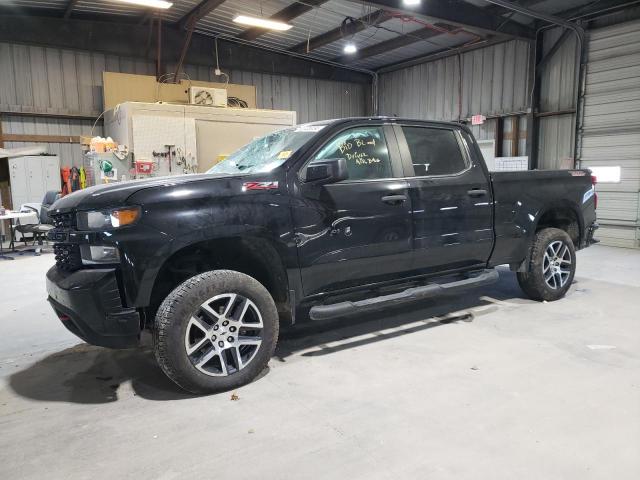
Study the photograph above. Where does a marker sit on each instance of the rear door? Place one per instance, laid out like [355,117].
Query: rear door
[452,206]
[356,231]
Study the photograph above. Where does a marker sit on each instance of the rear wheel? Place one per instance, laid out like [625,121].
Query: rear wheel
[552,266]
[216,331]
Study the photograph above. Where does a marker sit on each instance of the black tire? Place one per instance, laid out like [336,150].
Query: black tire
[533,282]
[173,317]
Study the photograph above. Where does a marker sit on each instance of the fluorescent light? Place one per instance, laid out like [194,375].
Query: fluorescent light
[411,3]
[149,3]
[262,23]
[350,48]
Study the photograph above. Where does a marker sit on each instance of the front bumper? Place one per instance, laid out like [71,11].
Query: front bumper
[89,304]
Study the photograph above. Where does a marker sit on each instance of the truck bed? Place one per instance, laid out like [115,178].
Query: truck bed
[521,200]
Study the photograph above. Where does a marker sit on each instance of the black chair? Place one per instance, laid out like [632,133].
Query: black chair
[39,230]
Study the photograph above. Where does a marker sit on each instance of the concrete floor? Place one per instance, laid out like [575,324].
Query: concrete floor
[485,386]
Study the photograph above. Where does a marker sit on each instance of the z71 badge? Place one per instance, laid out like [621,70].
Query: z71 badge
[259,186]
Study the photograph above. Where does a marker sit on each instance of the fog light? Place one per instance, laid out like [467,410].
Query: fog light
[94,254]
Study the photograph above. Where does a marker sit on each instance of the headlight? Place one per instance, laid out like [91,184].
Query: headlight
[94,254]
[109,219]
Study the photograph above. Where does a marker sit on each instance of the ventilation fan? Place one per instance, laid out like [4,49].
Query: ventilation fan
[211,97]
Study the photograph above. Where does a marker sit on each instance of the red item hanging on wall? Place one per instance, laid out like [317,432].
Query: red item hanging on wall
[65,174]
[144,167]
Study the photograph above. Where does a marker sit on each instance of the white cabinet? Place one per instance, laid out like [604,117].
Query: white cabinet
[32,176]
[203,132]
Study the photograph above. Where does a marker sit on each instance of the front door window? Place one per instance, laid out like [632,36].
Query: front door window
[365,151]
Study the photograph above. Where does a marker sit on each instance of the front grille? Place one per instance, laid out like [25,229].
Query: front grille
[67,254]
[63,220]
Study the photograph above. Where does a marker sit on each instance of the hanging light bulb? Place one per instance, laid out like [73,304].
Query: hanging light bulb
[350,48]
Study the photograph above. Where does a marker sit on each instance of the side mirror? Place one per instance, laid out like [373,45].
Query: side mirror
[322,172]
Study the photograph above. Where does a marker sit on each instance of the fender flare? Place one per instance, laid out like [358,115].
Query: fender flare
[189,240]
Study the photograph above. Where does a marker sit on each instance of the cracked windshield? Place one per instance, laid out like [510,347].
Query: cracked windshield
[266,153]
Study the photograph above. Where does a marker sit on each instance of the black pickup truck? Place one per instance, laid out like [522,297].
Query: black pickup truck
[322,220]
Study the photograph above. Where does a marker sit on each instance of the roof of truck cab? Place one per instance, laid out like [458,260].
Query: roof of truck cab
[335,121]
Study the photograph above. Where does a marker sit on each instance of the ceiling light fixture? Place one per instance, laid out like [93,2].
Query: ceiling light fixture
[149,3]
[350,48]
[262,23]
[411,3]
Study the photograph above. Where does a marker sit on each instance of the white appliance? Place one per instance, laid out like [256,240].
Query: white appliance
[32,176]
[207,96]
[202,135]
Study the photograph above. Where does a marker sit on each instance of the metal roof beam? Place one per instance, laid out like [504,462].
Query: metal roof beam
[395,43]
[362,23]
[286,14]
[594,8]
[523,3]
[460,13]
[508,14]
[420,59]
[128,39]
[555,20]
[198,12]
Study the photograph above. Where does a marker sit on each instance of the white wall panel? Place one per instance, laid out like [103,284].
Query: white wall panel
[611,127]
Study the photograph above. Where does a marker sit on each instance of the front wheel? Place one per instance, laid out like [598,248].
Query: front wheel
[216,331]
[552,266]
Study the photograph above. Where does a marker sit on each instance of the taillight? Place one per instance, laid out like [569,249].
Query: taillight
[594,181]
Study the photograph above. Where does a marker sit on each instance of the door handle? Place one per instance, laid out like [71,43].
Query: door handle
[394,199]
[476,192]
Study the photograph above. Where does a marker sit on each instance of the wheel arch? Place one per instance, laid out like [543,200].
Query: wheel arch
[563,215]
[253,256]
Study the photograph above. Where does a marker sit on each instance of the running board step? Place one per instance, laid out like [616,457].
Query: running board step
[325,312]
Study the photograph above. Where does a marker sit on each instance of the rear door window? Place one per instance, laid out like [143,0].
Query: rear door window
[434,151]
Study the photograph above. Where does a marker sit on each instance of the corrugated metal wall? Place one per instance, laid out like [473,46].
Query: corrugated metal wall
[494,82]
[486,131]
[36,79]
[557,92]
[70,153]
[611,128]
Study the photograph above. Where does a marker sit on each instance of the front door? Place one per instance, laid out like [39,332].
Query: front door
[451,198]
[357,231]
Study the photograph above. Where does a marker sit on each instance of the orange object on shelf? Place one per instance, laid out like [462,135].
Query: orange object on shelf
[102,145]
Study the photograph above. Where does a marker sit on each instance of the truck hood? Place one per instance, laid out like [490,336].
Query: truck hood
[115,194]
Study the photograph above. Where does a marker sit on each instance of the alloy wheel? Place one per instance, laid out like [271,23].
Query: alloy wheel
[556,264]
[224,334]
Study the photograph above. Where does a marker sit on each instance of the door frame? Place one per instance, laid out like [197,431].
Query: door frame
[472,161]
[296,186]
